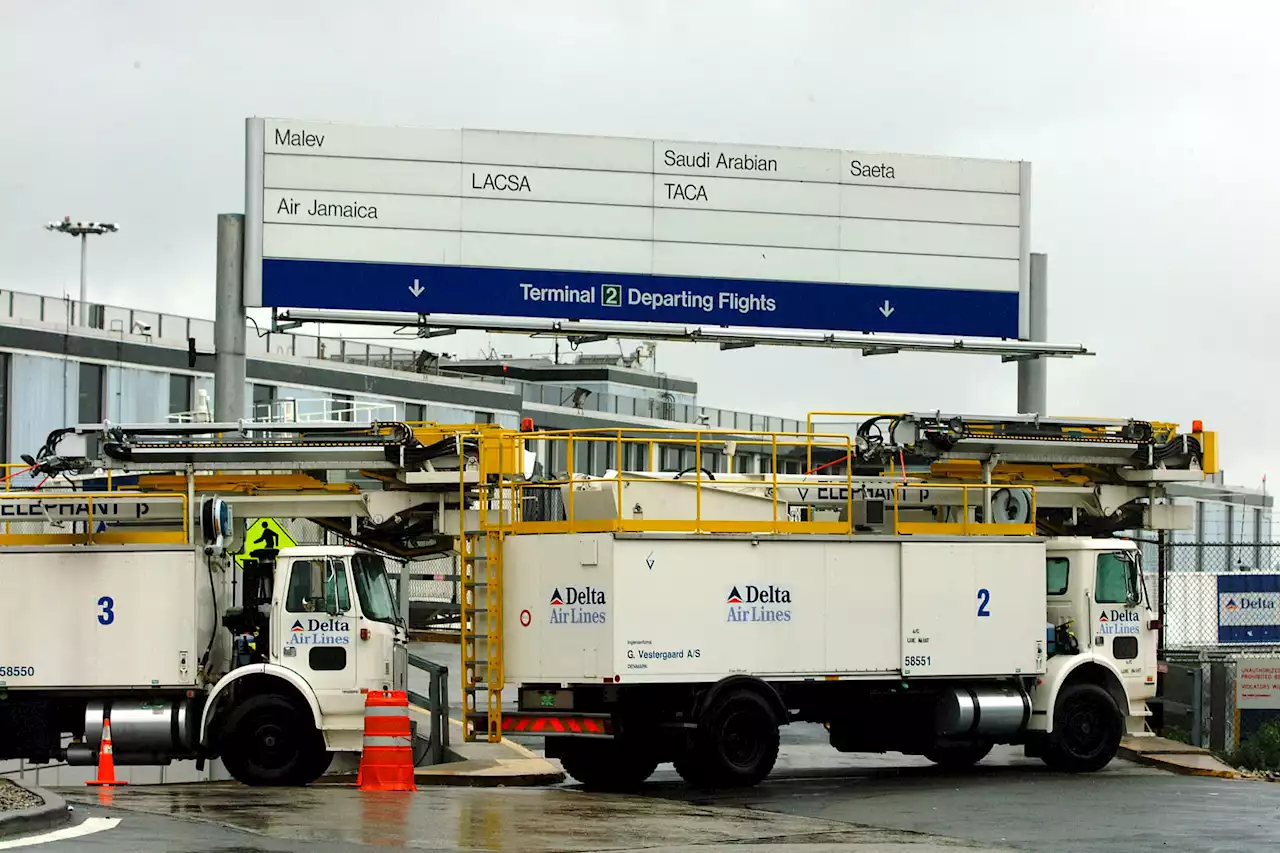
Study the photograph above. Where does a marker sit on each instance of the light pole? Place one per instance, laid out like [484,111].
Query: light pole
[83,230]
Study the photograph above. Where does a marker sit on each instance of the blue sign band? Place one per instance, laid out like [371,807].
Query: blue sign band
[632,298]
[1249,608]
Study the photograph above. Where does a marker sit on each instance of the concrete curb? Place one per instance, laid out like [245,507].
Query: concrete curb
[1189,763]
[53,814]
[520,772]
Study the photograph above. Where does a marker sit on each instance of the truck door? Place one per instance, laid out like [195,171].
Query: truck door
[1119,616]
[382,650]
[318,631]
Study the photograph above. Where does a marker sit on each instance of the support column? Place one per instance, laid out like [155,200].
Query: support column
[84,280]
[229,321]
[1032,390]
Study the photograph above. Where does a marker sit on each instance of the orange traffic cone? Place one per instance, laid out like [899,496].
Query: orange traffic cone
[386,764]
[106,761]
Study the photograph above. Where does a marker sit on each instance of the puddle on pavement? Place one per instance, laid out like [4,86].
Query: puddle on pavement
[498,819]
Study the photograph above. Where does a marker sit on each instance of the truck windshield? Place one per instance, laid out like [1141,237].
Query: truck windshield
[374,589]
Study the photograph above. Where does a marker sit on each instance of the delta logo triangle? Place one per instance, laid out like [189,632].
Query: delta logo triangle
[297,627]
[735,597]
[1103,617]
[555,597]
[1231,604]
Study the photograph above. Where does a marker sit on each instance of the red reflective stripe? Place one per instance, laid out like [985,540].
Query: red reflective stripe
[594,727]
[574,726]
[537,724]
[556,724]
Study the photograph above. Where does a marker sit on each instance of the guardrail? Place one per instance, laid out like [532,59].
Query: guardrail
[436,703]
[749,503]
[86,512]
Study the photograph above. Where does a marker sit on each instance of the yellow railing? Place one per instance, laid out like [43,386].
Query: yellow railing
[696,521]
[94,505]
[746,503]
[964,526]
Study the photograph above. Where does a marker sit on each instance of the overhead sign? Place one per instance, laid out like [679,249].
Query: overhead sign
[260,533]
[490,223]
[1249,608]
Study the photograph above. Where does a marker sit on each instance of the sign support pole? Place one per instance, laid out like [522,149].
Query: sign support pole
[229,321]
[1032,389]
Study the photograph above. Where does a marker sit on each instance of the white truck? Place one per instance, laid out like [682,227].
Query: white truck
[270,677]
[630,649]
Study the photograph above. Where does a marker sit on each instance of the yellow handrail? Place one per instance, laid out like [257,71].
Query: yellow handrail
[612,516]
[90,500]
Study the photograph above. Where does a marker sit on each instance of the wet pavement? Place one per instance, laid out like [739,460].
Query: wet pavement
[849,803]
[534,820]
[816,801]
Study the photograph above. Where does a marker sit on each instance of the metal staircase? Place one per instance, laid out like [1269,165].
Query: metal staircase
[481,623]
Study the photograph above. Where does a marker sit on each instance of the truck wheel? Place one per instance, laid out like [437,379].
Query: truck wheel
[602,765]
[692,771]
[269,741]
[1086,730]
[737,742]
[958,755]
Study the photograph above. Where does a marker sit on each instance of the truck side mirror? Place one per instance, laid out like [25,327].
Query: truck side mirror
[1133,577]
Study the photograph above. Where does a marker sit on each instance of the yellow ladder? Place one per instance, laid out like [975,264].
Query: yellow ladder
[481,617]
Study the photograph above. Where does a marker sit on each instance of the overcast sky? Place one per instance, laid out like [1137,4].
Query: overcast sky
[1151,128]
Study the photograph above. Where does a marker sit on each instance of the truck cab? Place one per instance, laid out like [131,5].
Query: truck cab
[318,627]
[1101,644]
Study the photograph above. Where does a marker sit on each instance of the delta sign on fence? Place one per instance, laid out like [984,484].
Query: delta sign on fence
[498,224]
[1249,608]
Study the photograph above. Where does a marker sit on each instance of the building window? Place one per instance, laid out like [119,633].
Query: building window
[415,413]
[343,407]
[92,379]
[264,398]
[179,393]
[4,408]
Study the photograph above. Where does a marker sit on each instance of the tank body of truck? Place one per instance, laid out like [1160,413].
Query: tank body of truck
[633,648]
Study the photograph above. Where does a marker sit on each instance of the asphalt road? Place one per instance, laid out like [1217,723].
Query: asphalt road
[817,801]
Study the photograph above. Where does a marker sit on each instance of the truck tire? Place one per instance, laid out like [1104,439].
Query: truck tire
[736,744]
[691,770]
[607,765]
[268,740]
[958,755]
[1087,728]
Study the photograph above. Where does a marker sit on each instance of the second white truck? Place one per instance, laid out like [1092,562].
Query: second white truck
[633,649]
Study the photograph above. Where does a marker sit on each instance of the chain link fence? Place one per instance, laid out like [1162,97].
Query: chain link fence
[1220,646]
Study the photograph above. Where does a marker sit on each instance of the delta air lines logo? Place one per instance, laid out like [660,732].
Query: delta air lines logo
[579,605]
[751,603]
[320,632]
[1119,622]
[1231,604]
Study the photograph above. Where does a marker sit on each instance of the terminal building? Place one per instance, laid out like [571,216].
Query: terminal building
[128,365]
[62,363]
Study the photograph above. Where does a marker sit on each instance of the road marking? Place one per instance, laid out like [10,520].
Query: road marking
[89,827]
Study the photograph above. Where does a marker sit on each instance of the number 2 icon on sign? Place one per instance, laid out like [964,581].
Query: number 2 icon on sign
[984,599]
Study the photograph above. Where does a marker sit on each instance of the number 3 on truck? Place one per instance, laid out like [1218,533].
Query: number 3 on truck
[106,611]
